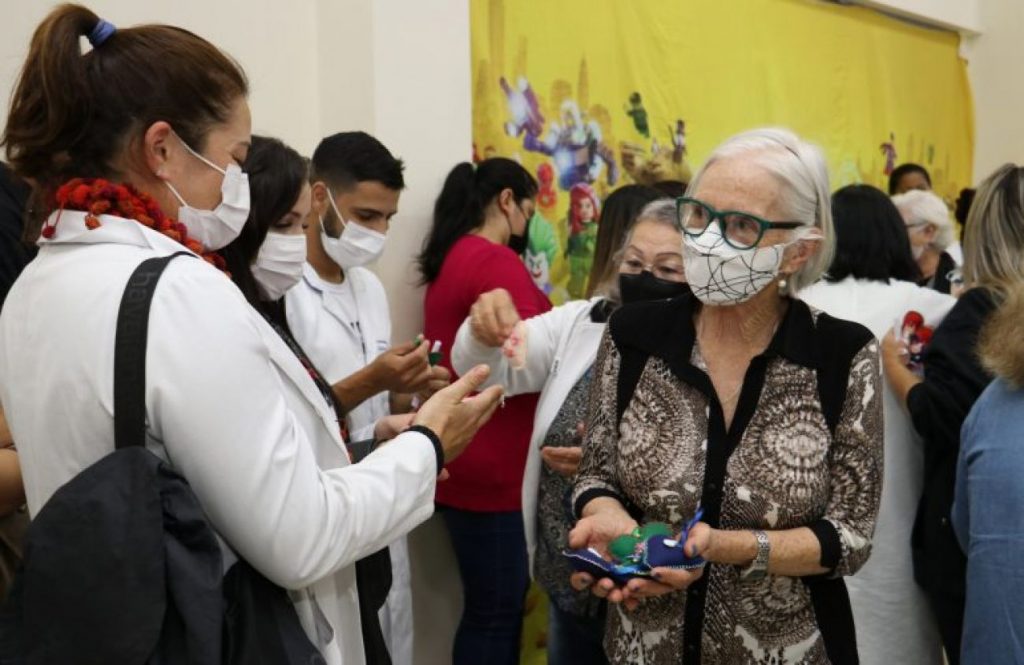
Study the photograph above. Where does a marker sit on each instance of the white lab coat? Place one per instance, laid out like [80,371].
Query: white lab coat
[560,345]
[340,345]
[894,622]
[228,405]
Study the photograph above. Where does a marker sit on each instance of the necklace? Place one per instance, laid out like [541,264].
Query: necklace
[96,196]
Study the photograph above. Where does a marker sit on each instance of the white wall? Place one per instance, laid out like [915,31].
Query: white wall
[996,60]
[962,15]
[277,50]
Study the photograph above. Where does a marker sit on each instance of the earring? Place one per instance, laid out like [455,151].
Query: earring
[783,284]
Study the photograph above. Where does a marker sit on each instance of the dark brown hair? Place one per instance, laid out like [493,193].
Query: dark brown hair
[459,208]
[73,114]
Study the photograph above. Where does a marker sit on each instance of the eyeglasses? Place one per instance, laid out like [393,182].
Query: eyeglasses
[741,230]
[668,269]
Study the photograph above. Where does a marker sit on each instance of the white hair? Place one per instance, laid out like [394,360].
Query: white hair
[920,207]
[801,169]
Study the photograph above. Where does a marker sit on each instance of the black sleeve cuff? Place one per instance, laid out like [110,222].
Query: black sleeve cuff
[828,539]
[434,440]
[589,496]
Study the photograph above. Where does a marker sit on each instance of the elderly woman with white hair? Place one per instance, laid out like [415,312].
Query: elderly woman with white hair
[750,405]
[930,229]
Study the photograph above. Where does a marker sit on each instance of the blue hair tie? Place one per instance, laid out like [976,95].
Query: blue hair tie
[101,33]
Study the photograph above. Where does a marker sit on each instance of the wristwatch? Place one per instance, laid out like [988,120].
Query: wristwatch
[758,568]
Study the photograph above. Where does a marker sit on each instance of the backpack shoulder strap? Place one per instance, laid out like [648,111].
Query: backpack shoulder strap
[840,342]
[130,352]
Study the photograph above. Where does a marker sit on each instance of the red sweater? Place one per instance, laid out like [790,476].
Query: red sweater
[488,476]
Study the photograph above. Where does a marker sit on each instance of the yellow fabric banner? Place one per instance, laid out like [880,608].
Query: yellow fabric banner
[592,94]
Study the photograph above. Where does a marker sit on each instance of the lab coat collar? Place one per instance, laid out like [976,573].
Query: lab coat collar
[69,229]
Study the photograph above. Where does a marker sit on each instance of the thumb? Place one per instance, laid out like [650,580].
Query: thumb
[580,535]
[469,383]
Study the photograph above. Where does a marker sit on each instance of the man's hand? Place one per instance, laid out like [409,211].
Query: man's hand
[402,369]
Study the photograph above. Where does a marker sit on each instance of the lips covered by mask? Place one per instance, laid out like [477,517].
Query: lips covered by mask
[278,266]
[720,274]
[645,286]
[216,228]
[356,245]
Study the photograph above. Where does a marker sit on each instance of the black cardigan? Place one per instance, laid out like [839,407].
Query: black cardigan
[953,380]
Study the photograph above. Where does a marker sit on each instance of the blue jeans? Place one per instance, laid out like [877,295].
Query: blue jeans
[490,549]
[575,639]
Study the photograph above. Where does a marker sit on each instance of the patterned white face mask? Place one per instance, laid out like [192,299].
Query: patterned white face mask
[720,274]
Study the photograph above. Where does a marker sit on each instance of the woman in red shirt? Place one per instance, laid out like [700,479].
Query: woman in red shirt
[479,230]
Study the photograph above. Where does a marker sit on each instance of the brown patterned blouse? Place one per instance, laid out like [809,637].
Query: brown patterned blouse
[805,449]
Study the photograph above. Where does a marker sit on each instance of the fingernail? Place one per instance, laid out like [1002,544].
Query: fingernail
[655,574]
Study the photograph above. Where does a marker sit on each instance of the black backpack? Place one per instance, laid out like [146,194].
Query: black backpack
[120,565]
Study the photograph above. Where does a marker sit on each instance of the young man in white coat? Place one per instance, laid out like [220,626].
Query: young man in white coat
[339,314]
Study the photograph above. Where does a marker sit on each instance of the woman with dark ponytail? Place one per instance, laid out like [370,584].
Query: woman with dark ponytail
[135,151]
[480,225]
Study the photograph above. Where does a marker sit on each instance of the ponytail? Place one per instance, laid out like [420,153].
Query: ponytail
[76,114]
[460,206]
[52,100]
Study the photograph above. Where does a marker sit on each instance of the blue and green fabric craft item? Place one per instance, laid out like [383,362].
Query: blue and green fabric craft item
[636,554]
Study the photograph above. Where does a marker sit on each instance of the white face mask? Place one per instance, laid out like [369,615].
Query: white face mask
[278,266]
[216,228]
[723,275]
[356,246]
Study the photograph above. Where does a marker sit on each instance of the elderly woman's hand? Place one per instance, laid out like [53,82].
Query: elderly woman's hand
[604,520]
[493,317]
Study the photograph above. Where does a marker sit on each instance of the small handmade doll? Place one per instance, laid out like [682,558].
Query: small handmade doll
[638,553]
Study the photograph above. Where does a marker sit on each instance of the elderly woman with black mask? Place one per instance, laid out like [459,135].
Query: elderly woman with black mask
[644,263]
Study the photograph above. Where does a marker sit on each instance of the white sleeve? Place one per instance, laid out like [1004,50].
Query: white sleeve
[543,333]
[934,306]
[217,402]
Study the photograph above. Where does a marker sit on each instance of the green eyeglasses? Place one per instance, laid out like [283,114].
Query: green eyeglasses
[741,230]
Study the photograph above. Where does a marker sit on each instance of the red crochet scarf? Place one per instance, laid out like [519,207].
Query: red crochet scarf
[96,196]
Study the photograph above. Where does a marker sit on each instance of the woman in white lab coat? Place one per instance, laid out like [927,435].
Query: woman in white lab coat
[153,122]
[561,346]
[265,261]
[872,281]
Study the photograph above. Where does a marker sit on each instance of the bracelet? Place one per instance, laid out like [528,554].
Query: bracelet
[758,568]
[434,440]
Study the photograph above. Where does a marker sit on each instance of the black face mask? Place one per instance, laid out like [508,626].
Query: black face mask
[518,243]
[645,286]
